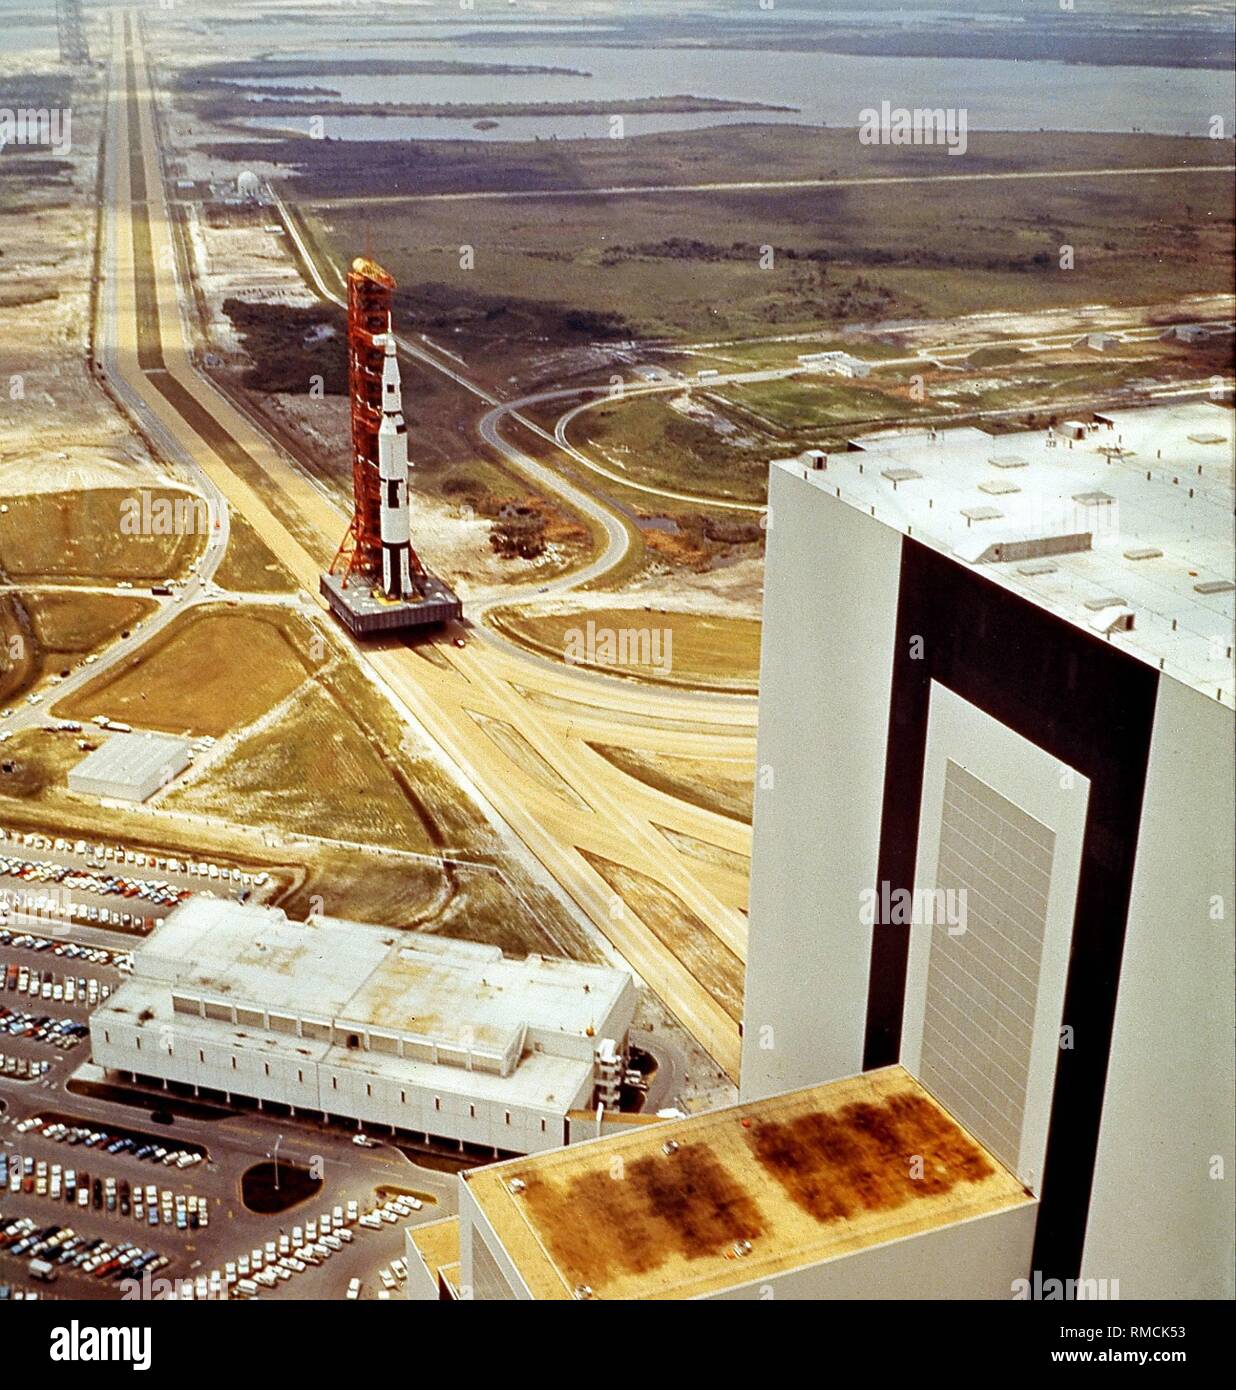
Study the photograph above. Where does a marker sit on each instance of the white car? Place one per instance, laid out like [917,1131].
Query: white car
[354,1288]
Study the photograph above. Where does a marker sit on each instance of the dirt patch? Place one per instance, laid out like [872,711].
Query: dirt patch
[727,788]
[713,964]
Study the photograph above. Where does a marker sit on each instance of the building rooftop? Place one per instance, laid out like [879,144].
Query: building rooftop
[437,1243]
[132,759]
[736,1195]
[1127,531]
[435,1011]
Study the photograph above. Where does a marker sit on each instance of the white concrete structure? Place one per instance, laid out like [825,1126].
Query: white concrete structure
[994,816]
[416,1033]
[130,767]
[834,364]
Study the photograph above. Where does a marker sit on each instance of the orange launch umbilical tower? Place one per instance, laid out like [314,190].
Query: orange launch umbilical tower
[369,315]
[376,581]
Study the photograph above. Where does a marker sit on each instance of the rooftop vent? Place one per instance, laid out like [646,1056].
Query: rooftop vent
[816,458]
[901,475]
[998,487]
[1143,552]
[1007,461]
[1214,586]
[981,513]
[979,552]
[1117,618]
[1093,499]
[1038,567]
[1097,605]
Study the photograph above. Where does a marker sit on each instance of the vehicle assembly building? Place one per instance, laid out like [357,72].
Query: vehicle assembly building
[416,1034]
[377,582]
[1003,842]
[989,998]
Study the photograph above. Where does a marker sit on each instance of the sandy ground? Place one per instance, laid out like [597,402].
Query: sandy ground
[58,430]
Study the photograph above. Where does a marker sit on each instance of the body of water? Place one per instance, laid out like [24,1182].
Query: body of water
[829,89]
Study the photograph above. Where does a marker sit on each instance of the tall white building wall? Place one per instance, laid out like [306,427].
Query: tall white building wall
[825,673]
[1157,1215]
[1165,1162]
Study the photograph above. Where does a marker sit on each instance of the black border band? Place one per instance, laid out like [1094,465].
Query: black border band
[1092,707]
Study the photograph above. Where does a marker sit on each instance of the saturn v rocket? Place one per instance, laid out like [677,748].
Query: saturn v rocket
[376,582]
[394,528]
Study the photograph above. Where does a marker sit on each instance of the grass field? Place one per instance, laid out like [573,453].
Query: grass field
[73,624]
[33,762]
[80,535]
[248,566]
[312,756]
[50,632]
[211,672]
[684,266]
[673,648]
[724,787]
[809,404]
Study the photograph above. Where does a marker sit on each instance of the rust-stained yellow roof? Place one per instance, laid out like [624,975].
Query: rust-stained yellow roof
[437,1242]
[691,1206]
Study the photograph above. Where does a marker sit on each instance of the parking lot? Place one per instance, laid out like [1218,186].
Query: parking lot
[107,885]
[135,1209]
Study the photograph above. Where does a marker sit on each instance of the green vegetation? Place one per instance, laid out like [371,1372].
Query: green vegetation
[290,346]
[211,672]
[321,169]
[33,763]
[671,648]
[84,536]
[313,754]
[634,266]
[248,565]
[42,633]
[231,110]
[74,624]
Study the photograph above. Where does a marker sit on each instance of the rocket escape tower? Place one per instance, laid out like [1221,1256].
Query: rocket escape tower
[376,582]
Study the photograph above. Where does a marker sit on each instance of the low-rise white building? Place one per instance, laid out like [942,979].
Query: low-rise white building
[834,364]
[130,766]
[414,1033]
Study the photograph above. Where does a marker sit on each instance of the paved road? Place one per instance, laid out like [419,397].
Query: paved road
[644,190]
[567,809]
